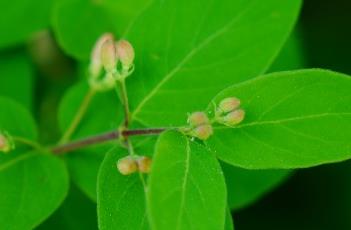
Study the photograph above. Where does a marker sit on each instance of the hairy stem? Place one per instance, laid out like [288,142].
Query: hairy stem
[79,116]
[102,138]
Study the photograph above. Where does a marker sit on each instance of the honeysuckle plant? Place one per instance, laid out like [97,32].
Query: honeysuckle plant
[173,102]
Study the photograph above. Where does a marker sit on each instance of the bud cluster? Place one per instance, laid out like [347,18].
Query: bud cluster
[200,126]
[229,112]
[116,58]
[6,142]
[131,164]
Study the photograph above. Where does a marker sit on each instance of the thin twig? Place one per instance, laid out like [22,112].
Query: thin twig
[136,132]
[102,138]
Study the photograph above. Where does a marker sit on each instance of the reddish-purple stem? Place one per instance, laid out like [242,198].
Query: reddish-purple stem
[101,138]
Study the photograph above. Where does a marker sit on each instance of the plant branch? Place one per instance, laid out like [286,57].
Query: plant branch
[122,92]
[103,137]
[139,132]
[79,116]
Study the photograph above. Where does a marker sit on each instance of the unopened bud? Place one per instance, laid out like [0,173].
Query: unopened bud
[144,164]
[6,142]
[108,56]
[95,62]
[127,165]
[234,118]
[203,132]
[125,53]
[198,118]
[229,104]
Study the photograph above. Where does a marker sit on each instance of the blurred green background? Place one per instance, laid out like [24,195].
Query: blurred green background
[311,199]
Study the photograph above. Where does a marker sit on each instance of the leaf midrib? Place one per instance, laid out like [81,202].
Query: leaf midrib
[184,185]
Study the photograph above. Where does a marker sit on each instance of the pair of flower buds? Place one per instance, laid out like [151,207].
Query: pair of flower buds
[132,164]
[108,53]
[116,57]
[6,142]
[227,113]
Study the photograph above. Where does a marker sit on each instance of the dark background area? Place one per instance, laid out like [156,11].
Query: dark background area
[317,198]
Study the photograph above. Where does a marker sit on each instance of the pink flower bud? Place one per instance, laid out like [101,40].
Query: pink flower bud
[108,56]
[234,118]
[198,118]
[127,165]
[203,132]
[144,164]
[229,104]
[125,53]
[95,62]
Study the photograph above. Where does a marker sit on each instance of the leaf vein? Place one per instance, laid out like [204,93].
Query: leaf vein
[184,185]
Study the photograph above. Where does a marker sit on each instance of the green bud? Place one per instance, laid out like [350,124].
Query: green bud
[203,132]
[144,164]
[6,142]
[234,118]
[95,62]
[127,165]
[108,56]
[125,53]
[228,104]
[198,118]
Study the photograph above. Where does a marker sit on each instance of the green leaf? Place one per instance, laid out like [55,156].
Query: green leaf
[76,212]
[247,186]
[104,113]
[16,120]
[124,13]
[32,184]
[293,120]
[186,186]
[20,18]
[90,22]
[92,19]
[121,199]
[196,49]
[16,78]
